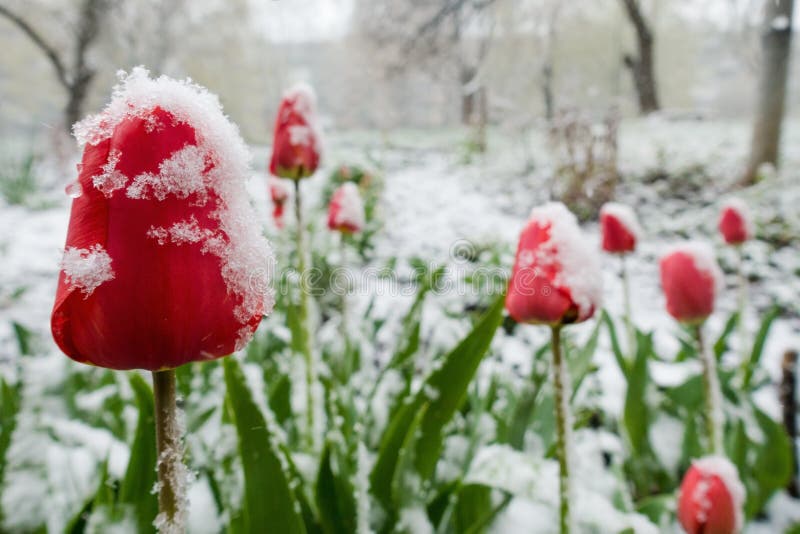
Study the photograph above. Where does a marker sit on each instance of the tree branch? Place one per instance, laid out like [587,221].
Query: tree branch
[48,50]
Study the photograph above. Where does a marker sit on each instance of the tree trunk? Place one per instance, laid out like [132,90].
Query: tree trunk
[641,67]
[788,397]
[776,48]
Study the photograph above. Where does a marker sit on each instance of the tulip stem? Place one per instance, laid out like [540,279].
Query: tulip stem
[742,304]
[712,394]
[171,470]
[302,312]
[562,429]
[626,295]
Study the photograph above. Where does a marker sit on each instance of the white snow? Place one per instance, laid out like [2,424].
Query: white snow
[87,269]
[577,263]
[722,468]
[625,215]
[781,22]
[218,163]
[351,207]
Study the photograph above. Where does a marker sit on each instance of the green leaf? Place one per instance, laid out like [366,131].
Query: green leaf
[773,464]
[473,508]
[758,344]
[722,341]
[448,384]
[635,415]
[9,407]
[408,341]
[580,361]
[269,503]
[24,338]
[406,490]
[280,399]
[140,476]
[657,507]
[335,495]
[622,361]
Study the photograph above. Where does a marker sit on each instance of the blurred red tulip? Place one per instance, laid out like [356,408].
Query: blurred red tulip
[711,498]
[346,210]
[619,227]
[556,277]
[296,144]
[690,277]
[279,194]
[735,223]
[164,263]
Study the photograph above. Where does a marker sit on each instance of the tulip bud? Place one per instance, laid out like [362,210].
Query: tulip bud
[296,145]
[279,194]
[690,278]
[735,223]
[619,227]
[711,497]
[164,263]
[556,277]
[346,210]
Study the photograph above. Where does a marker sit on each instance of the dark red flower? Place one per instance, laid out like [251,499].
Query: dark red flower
[556,277]
[346,210]
[711,498]
[735,224]
[296,144]
[690,277]
[619,228]
[163,262]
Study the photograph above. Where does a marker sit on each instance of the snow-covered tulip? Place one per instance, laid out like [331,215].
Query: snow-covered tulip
[556,277]
[556,280]
[164,262]
[711,497]
[735,222]
[346,210]
[690,278]
[279,194]
[296,143]
[619,227]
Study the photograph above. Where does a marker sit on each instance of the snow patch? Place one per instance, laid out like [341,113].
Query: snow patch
[87,269]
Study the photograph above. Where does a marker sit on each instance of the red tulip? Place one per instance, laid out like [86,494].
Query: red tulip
[296,145]
[690,277]
[164,264]
[619,227]
[711,497]
[279,195]
[346,210]
[735,223]
[556,277]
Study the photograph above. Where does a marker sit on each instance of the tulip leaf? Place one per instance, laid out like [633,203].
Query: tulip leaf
[269,502]
[140,476]
[443,391]
[758,343]
[9,407]
[335,494]
[622,361]
[773,464]
[579,361]
[722,340]
[636,412]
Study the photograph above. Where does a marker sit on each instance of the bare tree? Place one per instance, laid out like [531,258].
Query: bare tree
[74,74]
[641,66]
[776,47]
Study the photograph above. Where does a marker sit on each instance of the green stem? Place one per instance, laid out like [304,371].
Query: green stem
[171,481]
[712,394]
[302,312]
[628,316]
[742,304]
[562,428]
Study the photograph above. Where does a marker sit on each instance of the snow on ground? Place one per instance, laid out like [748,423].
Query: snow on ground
[435,207]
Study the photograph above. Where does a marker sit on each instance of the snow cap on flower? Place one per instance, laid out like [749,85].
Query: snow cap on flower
[620,228]
[735,222]
[279,194]
[556,277]
[711,497]
[346,210]
[296,146]
[691,279]
[164,262]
